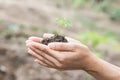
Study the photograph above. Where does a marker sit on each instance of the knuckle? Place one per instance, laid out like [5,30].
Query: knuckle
[47,50]
[76,46]
[44,49]
[59,65]
[62,59]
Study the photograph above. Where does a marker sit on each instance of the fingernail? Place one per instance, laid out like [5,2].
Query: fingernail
[29,51]
[28,44]
[26,41]
[36,60]
[31,44]
[31,37]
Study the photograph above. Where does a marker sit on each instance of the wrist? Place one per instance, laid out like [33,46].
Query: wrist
[90,62]
[101,69]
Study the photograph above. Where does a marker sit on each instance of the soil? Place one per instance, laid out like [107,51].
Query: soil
[55,38]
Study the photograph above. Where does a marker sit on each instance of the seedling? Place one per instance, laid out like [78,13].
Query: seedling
[64,23]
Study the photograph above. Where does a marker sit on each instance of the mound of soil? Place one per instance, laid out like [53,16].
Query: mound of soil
[55,38]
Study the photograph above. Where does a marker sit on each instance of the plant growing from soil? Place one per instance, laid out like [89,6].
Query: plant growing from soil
[64,23]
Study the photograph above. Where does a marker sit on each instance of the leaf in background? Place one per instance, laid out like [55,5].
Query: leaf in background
[13,27]
[92,37]
[78,3]
[1,20]
[95,42]
[35,27]
[99,54]
[116,46]
[115,14]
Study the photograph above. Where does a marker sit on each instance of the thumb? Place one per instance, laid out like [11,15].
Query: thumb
[35,39]
[47,35]
[62,46]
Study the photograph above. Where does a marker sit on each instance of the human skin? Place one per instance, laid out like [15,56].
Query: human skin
[71,56]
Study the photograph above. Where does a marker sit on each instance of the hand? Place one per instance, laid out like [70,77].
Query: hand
[66,56]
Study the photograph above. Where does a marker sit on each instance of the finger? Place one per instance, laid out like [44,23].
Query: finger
[46,35]
[42,63]
[27,41]
[63,46]
[35,39]
[44,49]
[46,56]
[70,40]
[40,58]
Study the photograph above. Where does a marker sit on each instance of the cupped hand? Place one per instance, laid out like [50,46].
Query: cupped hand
[65,56]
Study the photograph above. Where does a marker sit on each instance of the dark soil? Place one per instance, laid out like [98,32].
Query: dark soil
[55,38]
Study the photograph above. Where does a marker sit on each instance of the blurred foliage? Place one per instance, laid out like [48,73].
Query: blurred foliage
[88,77]
[78,3]
[35,27]
[92,26]
[88,23]
[16,27]
[102,5]
[11,30]
[1,20]
[13,27]
[98,54]
[115,14]
[24,26]
[106,6]
[116,46]
[93,38]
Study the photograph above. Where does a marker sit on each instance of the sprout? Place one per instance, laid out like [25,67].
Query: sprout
[64,23]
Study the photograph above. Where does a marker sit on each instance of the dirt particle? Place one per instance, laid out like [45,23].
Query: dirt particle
[55,38]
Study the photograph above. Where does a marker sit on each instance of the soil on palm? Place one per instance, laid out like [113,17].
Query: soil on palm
[55,38]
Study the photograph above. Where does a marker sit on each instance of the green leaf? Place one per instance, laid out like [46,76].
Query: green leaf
[64,22]
[69,23]
[13,27]
[59,20]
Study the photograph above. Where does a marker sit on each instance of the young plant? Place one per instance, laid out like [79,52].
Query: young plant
[64,23]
